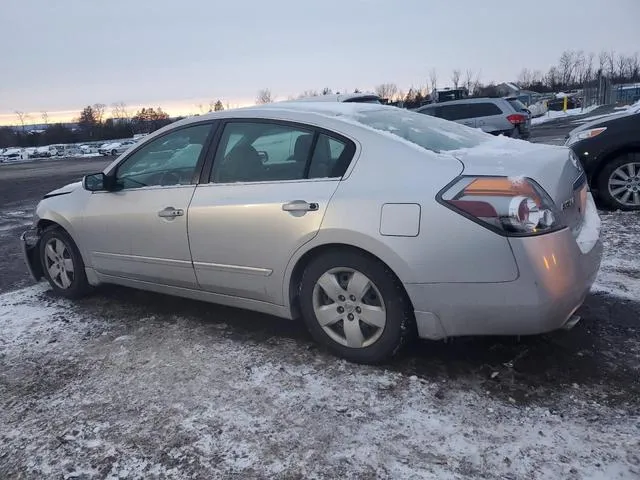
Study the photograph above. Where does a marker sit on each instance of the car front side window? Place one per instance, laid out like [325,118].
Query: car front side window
[167,160]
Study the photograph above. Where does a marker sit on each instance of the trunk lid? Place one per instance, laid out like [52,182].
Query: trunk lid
[555,169]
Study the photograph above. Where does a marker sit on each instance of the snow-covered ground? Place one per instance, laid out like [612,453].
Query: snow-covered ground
[553,115]
[105,388]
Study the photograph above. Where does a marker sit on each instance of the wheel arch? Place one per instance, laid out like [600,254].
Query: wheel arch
[295,278]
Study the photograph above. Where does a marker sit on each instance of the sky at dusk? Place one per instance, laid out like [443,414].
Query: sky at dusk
[59,56]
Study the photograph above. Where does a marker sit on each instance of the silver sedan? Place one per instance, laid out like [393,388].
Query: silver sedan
[373,224]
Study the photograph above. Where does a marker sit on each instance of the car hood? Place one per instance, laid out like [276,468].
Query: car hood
[601,122]
[64,190]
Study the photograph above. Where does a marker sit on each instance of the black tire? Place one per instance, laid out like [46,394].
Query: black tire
[79,285]
[114,152]
[603,181]
[400,321]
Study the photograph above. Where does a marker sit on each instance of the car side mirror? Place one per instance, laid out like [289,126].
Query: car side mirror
[97,182]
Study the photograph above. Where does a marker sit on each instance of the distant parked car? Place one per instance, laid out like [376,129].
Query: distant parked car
[66,150]
[340,97]
[609,150]
[470,234]
[116,148]
[13,154]
[45,152]
[497,116]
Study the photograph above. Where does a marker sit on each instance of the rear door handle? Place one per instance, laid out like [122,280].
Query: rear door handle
[300,206]
[171,212]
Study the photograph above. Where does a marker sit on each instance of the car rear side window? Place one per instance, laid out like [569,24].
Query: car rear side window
[486,109]
[453,112]
[517,105]
[270,151]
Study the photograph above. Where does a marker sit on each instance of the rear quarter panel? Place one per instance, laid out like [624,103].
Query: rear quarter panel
[448,247]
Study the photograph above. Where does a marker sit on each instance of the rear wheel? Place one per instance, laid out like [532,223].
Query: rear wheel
[62,264]
[619,182]
[355,306]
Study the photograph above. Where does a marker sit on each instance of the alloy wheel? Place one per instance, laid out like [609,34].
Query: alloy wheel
[624,184]
[59,263]
[349,307]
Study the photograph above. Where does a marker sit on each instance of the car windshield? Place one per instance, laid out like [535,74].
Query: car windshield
[425,131]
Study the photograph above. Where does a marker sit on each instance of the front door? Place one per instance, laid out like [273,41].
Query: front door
[269,189]
[139,231]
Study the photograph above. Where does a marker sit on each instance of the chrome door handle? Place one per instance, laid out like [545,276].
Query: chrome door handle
[171,212]
[300,206]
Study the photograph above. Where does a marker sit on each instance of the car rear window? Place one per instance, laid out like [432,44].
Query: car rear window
[517,104]
[425,131]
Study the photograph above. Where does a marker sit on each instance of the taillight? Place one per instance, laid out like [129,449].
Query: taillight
[516,118]
[509,206]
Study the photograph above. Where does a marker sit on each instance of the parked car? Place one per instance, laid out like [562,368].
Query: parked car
[45,152]
[372,223]
[66,150]
[609,150]
[116,148]
[13,154]
[497,116]
[340,97]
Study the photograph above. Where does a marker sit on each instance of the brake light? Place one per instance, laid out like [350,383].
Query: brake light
[509,206]
[516,118]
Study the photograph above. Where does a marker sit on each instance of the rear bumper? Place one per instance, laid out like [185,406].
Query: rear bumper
[556,272]
[29,242]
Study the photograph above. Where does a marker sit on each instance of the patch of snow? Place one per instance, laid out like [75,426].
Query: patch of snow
[554,114]
[590,231]
[187,401]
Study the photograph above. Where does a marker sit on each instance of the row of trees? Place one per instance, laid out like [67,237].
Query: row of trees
[92,125]
[574,70]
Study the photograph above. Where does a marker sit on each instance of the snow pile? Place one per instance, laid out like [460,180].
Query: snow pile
[553,114]
[106,397]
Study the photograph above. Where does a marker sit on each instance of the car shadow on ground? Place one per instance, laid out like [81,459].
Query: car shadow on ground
[598,359]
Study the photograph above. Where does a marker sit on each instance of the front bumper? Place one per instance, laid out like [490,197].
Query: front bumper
[30,243]
[556,272]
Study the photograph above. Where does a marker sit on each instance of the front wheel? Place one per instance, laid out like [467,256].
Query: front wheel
[355,306]
[62,264]
[619,182]
[114,152]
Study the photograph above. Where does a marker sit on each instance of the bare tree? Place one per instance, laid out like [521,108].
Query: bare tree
[566,67]
[455,77]
[387,90]
[309,93]
[634,67]
[588,67]
[98,108]
[119,111]
[525,78]
[22,118]
[611,63]
[264,96]
[45,117]
[433,79]
[602,62]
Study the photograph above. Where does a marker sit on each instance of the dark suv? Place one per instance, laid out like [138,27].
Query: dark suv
[506,116]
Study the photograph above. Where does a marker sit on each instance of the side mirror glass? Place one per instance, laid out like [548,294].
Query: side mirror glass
[95,182]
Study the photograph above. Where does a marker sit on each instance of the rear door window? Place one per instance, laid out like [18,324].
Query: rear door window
[483,110]
[454,112]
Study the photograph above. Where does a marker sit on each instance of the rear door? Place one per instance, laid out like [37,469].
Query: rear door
[490,118]
[459,113]
[265,197]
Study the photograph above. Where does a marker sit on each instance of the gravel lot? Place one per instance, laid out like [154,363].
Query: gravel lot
[128,384]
